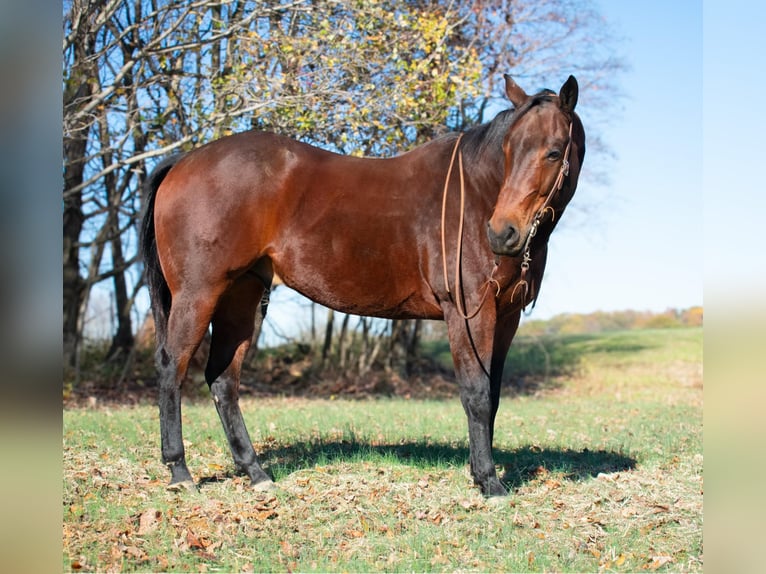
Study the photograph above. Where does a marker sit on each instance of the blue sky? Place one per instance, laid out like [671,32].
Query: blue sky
[684,197]
[642,249]
[734,204]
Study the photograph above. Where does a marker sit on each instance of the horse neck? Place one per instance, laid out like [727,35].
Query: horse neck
[483,159]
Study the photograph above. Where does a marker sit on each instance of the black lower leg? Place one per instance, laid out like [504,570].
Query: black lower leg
[170,428]
[227,404]
[478,410]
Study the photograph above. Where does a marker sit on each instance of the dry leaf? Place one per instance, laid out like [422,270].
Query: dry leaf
[540,472]
[658,562]
[267,502]
[148,521]
[287,548]
[135,552]
[193,541]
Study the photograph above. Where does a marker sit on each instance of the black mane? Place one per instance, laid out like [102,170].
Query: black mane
[483,144]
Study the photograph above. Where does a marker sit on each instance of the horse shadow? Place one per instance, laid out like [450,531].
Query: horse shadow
[520,465]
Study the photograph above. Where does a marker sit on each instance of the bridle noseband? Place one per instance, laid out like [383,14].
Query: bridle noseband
[526,256]
[526,252]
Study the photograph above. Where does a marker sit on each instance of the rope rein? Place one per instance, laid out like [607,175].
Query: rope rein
[458,283]
[526,252]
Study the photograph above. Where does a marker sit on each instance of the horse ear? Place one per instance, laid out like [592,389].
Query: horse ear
[514,92]
[568,94]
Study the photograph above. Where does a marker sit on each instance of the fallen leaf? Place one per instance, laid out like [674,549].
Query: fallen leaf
[206,555]
[148,521]
[193,541]
[267,502]
[135,552]
[657,562]
[540,472]
[288,549]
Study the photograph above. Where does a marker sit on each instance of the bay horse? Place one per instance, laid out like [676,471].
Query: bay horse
[376,237]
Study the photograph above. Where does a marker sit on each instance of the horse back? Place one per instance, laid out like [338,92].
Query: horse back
[344,231]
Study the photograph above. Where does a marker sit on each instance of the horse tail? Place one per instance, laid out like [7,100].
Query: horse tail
[159,292]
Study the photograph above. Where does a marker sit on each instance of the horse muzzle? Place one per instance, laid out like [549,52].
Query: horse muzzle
[507,241]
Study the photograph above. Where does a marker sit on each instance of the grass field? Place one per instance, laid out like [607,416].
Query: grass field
[604,462]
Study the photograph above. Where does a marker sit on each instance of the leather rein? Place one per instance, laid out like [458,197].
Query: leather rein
[526,252]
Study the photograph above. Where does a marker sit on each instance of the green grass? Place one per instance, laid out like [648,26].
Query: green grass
[604,464]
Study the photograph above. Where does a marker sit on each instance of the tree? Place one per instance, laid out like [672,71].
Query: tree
[145,78]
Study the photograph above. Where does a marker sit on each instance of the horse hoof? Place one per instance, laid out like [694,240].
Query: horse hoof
[184,485]
[494,489]
[264,486]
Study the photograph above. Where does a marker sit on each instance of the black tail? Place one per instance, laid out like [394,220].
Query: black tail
[155,280]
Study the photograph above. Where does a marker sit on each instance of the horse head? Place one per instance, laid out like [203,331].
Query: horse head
[543,152]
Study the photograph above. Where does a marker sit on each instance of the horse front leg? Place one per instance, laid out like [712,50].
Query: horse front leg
[471,344]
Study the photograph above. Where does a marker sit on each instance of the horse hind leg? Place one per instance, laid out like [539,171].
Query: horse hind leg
[233,325]
[188,320]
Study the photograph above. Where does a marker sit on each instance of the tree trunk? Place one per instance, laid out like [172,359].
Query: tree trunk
[75,145]
[122,340]
[328,336]
[413,345]
[343,343]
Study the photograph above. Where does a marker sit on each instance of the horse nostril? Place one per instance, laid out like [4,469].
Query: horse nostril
[507,236]
[511,235]
[506,241]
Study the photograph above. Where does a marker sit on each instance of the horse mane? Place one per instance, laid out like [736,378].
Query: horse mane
[485,141]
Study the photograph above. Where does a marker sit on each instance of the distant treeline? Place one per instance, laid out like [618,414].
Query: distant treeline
[599,321]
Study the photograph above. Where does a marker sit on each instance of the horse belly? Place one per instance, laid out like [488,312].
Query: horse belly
[362,286]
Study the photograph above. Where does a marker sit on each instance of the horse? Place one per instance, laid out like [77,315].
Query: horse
[455,229]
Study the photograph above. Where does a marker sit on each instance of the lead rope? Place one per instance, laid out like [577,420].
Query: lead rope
[458,283]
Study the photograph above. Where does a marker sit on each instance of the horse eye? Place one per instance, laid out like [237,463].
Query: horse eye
[554,155]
